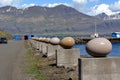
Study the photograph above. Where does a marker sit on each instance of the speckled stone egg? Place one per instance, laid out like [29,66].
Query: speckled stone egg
[43,39]
[55,41]
[67,42]
[47,40]
[40,38]
[99,47]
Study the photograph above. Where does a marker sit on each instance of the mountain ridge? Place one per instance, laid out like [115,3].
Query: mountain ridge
[104,16]
[59,19]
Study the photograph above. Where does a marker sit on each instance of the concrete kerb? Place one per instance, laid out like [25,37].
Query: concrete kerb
[107,68]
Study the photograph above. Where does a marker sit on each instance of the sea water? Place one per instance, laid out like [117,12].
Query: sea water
[115,49]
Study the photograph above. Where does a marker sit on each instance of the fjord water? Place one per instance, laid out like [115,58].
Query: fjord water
[115,49]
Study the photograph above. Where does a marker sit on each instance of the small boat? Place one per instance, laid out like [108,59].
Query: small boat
[95,34]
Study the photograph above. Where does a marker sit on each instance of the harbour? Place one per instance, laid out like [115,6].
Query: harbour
[85,40]
[115,49]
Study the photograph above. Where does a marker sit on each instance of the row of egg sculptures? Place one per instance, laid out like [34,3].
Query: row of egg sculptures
[53,40]
[42,39]
[99,47]
[34,38]
[66,42]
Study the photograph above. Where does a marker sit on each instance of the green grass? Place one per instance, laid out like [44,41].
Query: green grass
[32,65]
[26,44]
[44,69]
[5,34]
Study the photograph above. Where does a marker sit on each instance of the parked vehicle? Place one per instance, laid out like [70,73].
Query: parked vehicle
[3,40]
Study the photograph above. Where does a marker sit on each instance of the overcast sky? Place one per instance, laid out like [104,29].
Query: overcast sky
[90,7]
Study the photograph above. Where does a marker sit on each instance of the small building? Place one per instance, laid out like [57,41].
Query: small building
[26,37]
[23,37]
[17,37]
[115,34]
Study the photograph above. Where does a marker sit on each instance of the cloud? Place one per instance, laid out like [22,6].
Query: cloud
[80,1]
[9,2]
[100,9]
[55,4]
[116,6]
[80,5]
[84,1]
[93,0]
[109,9]
[5,2]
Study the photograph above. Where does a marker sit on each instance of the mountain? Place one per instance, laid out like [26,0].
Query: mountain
[108,17]
[115,16]
[45,20]
[102,16]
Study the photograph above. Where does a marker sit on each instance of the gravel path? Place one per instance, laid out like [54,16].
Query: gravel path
[11,57]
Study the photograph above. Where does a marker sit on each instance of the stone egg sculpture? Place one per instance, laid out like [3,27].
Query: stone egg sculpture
[99,47]
[40,39]
[43,39]
[37,39]
[67,42]
[55,41]
[47,40]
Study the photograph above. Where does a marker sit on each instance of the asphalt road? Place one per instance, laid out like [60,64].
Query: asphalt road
[11,56]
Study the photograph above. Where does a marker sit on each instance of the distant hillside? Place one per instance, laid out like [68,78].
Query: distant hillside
[59,19]
[102,16]
[5,34]
[108,17]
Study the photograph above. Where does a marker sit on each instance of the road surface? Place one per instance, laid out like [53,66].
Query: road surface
[11,56]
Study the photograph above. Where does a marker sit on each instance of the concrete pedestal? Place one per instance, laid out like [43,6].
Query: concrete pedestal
[40,47]
[99,68]
[51,49]
[37,45]
[44,48]
[31,42]
[67,57]
[34,43]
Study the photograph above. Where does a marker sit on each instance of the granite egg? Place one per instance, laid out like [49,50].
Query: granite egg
[55,40]
[99,47]
[43,39]
[47,40]
[67,42]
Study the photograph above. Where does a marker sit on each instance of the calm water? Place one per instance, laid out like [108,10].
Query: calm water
[115,49]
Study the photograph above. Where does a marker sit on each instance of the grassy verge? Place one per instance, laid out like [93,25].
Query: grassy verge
[42,68]
[32,64]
